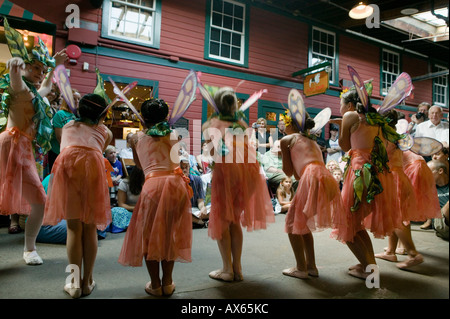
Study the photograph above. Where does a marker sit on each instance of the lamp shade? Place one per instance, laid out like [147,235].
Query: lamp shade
[360,11]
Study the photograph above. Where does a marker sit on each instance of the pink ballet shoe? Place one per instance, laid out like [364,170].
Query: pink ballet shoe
[358,273]
[154,292]
[387,257]
[294,272]
[313,272]
[72,291]
[221,275]
[410,262]
[168,289]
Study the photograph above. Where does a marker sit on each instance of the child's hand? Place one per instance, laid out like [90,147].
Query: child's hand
[60,57]
[15,63]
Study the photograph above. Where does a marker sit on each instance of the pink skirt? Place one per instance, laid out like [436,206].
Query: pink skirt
[20,184]
[78,188]
[317,202]
[406,199]
[161,223]
[380,215]
[239,194]
[425,191]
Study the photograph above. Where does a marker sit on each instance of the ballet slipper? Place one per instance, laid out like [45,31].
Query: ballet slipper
[221,275]
[72,291]
[314,272]
[154,292]
[90,288]
[168,289]
[294,272]
[410,262]
[401,251]
[358,273]
[388,257]
[32,258]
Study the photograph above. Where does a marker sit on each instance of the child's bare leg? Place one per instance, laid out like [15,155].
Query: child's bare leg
[74,248]
[32,227]
[300,269]
[168,287]
[414,258]
[308,241]
[361,247]
[224,244]
[153,271]
[389,253]
[236,250]
[90,244]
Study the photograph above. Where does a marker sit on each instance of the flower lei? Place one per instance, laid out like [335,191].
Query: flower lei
[159,129]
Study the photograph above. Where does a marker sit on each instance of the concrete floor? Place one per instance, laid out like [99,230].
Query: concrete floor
[265,254]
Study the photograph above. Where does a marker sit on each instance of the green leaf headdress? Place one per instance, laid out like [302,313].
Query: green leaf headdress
[18,49]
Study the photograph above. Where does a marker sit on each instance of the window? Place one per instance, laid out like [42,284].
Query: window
[440,88]
[227,32]
[323,48]
[135,21]
[390,70]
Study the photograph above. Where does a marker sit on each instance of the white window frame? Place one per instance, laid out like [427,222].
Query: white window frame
[324,57]
[156,25]
[390,71]
[242,34]
[440,87]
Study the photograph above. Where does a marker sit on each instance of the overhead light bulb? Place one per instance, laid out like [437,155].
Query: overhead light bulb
[360,11]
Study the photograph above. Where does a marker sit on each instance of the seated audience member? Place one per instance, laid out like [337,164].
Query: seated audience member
[200,213]
[284,197]
[116,175]
[127,152]
[440,174]
[272,164]
[127,197]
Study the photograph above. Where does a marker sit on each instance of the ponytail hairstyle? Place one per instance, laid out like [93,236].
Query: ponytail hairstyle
[226,101]
[309,122]
[154,111]
[91,107]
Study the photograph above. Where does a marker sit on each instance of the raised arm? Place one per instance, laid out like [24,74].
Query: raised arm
[15,66]
[46,85]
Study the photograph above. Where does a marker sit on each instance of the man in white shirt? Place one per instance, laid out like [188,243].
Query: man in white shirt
[435,127]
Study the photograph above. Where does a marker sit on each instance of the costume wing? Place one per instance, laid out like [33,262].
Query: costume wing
[121,96]
[321,119]
[251,100]
[185,97]
[399,91]
[62,80]
[402,126]
[297,108]
[406,143]
[125,91]
[359,86]
[426,146]
[205,94]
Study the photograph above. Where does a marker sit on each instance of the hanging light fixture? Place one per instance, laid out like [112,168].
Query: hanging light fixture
[360,11]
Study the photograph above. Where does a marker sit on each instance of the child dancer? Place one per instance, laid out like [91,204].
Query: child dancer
[284,195]
[160,229]
[78,190]
[317,201]
[239,193]
[28,122]
[366,208]
[406,205]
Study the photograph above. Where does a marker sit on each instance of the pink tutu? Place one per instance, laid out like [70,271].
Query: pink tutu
[425,191]
[406,199]
[20,184]
[161,223]
[239,194]
[78,188]
[380,216]
[317,202]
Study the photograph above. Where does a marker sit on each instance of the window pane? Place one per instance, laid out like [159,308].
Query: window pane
[226,37]
[235,53]
[228,8]
[236,40]
[215,34]
[217,5]
[217,19]
[214,48]
[225,51]
[238,25]
[239,12]
[228,22]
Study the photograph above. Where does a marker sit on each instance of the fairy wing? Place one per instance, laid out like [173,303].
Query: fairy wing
[122,97]
[406,143]
[402,126]
[208,97]
[399,91]
[297,108]
[184,98]
[251,100]
[426,146]
[321,119]
[359,86]
[62,80]
[125,91]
